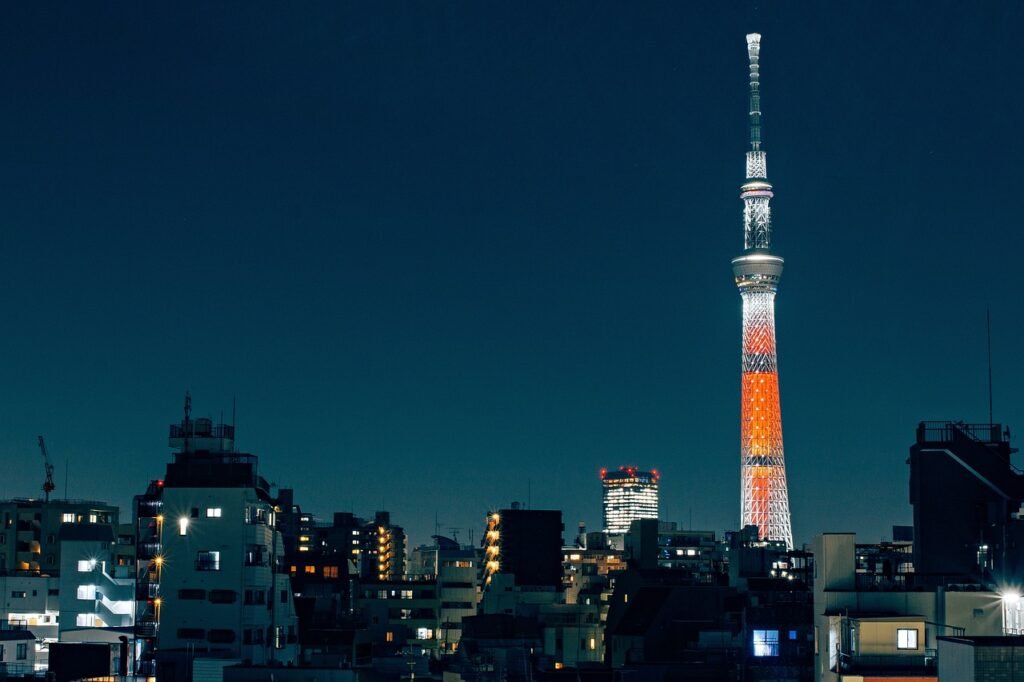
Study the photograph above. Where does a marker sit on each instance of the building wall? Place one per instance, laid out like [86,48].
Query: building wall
[200,607]
[878,638]
[956,661]
[458,594]
[89,595]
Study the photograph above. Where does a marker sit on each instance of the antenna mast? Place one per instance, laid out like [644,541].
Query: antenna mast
[988,329]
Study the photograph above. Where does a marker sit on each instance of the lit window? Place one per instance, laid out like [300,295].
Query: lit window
[303,548]
[906,638]
[67,518]
[389,636]
[424,633]
[766,642]
[407,594]
[86,620]
[86,565]
[87,592]
[311,569]
[213,512]
[92,518]
[593,643]
[183,525]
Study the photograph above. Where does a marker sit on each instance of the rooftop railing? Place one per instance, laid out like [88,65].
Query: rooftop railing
[951,432]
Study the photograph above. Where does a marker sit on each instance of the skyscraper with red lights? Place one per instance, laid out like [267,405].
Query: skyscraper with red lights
[628,494]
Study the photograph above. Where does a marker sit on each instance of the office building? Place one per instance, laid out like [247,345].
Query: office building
[628,495]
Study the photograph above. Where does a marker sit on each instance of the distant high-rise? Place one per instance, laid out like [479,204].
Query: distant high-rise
[628,494]
[526,543]
[764,496]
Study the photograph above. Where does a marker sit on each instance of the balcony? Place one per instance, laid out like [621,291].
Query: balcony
[888,663]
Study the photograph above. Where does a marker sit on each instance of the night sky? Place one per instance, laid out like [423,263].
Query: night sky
[453,254]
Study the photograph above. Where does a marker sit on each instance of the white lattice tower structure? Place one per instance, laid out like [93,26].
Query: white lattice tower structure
[764,500]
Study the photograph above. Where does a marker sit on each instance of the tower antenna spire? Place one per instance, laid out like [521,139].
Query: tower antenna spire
[754,55]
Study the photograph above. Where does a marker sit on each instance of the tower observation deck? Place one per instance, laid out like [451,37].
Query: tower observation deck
[764,498]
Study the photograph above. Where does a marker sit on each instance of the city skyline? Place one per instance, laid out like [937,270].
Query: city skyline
[448,258]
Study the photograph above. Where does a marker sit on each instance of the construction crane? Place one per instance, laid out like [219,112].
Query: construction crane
[48,486]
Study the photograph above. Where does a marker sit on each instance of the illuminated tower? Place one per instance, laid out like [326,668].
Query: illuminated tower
[764,497]
[629,494]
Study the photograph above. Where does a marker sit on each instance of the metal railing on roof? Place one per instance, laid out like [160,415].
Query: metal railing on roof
[951,432]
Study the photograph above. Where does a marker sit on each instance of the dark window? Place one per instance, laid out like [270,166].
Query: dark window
[457,585]
[53,591]
[223,596]
[208,560]
[18,595]
[22,652]
[284,596]
[255,597]
[220,636]
[191,594]
[195,512]
[51,538]
[49,559]
[191,633]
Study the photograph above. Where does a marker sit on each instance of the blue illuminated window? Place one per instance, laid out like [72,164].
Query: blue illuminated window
[766,642]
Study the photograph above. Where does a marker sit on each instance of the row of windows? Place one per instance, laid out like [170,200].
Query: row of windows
[766,642]
[20,651]
[274,635]
[222,596]
[328,571]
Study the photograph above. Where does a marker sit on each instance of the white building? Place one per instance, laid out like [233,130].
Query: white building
[222,593]
[94,593]
[628,495]
[29,603]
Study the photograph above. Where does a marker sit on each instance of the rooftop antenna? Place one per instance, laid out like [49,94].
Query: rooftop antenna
[988,329]
[188,413]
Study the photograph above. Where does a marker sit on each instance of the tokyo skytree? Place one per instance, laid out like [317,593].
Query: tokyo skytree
[764,500]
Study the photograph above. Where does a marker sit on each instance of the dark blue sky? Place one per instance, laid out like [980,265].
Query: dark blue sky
[444,252]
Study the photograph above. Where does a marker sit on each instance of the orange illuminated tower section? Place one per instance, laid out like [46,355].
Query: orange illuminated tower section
[764,496]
